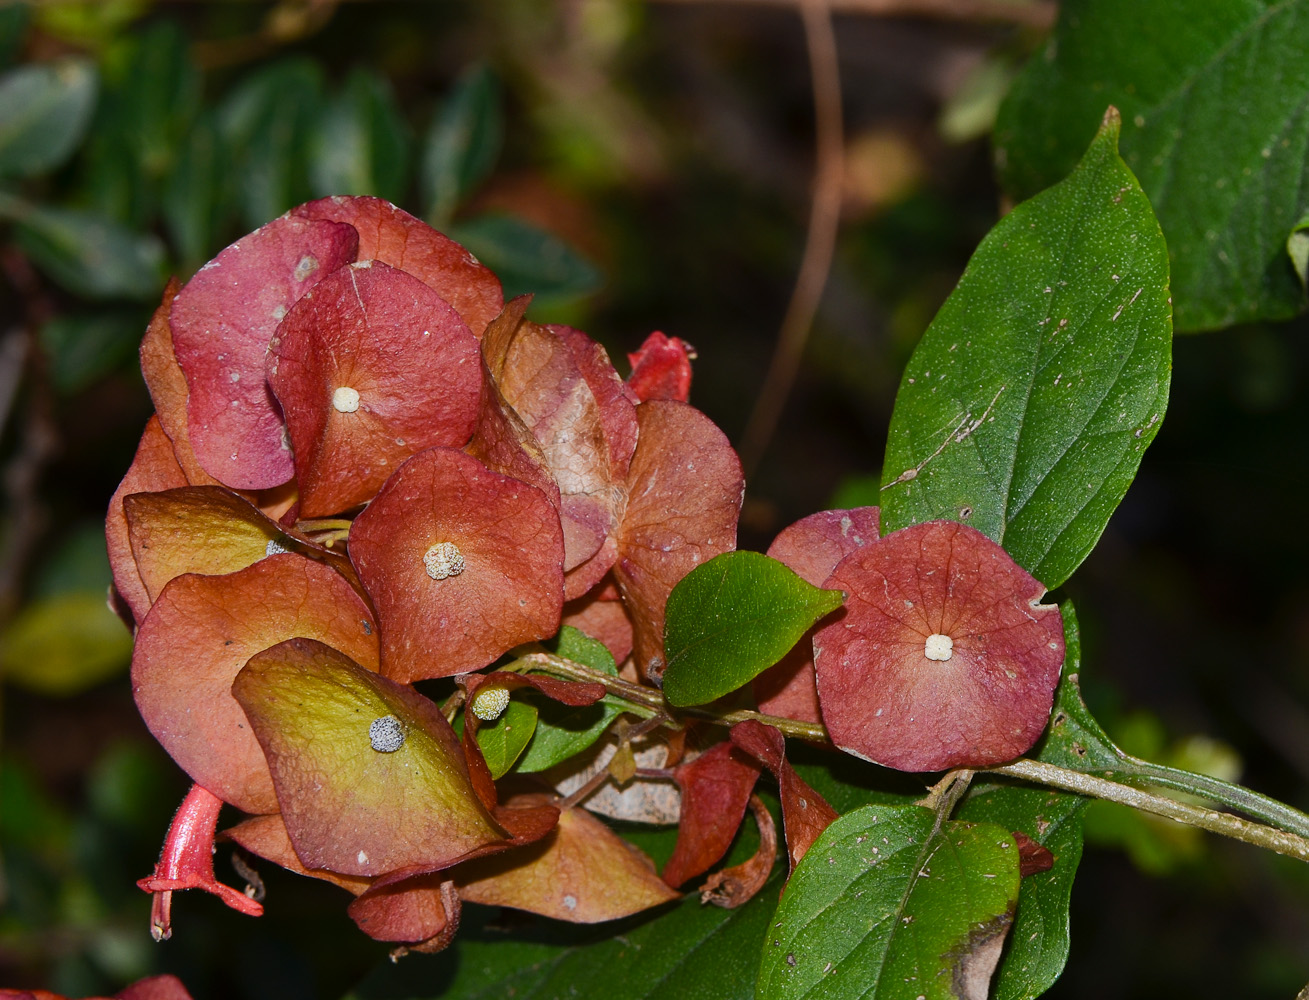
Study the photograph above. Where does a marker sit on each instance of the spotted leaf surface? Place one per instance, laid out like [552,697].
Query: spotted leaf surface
[354,803]
[1028,403]
[884,905]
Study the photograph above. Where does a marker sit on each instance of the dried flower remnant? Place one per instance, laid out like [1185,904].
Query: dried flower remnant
[811,547]
[945,656]
[508,537]
[661,368]
[716,788]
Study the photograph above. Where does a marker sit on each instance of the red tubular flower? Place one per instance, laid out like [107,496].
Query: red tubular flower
[187,862]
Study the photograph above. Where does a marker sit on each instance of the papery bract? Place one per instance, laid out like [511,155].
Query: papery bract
[944,657]
[370,367]
[370,777]
[716,788]
[505,588]
[422,911]
[812,547]
[684,497]
[154,468]
[202,630]
[222,321]
[583,872]
[395,237]
[805,813]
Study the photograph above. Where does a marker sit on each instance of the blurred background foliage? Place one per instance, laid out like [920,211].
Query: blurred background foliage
[637,166]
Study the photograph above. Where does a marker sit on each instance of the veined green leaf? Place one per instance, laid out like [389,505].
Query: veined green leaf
[1027,405]
[885,905]
[1215,102]
[732,618]
[563,731]
[503,740]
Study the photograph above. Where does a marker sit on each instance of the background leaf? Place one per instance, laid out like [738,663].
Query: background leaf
[361,143]
[1216,122]
[462,143]
[527,258]
[1026,407]
[44,112]
[732,618]
[881,906]
[81,347]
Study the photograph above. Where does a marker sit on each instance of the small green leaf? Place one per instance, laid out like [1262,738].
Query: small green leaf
[462,144]
[882,905]
[1212,94]
[732,618]
[44,112]
[361,143]
[527,258]
[1027,405]
[64,644]
[88,254]
[1297,248]
[563,731]
[503,740]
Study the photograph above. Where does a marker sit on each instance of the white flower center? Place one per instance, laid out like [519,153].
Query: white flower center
[443,560]
[386,735]
[489,703]
[345,399]
[938,647]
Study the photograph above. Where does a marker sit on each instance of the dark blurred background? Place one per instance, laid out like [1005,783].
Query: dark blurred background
[640,166]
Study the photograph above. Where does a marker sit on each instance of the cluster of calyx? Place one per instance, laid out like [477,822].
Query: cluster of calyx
[367,470]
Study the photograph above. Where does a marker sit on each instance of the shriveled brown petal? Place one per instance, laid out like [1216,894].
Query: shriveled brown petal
[201,632]
[462,564]
[1032,857]
[736,886]
[369,775]
[661,368]
[584,424]
[684,498]
[716,787]
[395,237]
[210,530]
[222,321]
[370,367]
[805,813]
[167,385]
[944,657]
[154,468]
[812,547]
[583,873]
[605,620]
[422,911]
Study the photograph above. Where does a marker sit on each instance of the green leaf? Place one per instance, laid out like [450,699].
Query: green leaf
[155,97]
[44,112]
[1026,407]
[462,144]
[13,28]
[1213,97]
[361,143]
[689,950]
[526,258]
[1297,248]
[88,254]
[1039,941]
[504,739]
[732,618]
[266,123]
[883,906]
[82,348]
[64,644]
[563,731]
[193,204]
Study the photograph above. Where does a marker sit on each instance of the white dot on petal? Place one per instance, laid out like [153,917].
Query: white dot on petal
[938,647]
[345,399]
[386,735]
[443,560]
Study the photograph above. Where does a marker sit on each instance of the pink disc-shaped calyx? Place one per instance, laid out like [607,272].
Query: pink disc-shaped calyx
[944,657]
[461,562]
[370,367]
[222,321]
